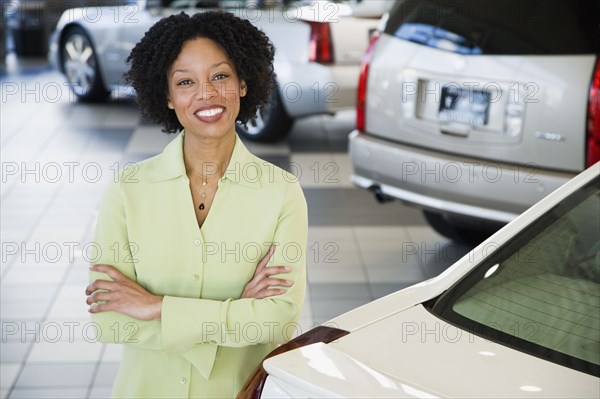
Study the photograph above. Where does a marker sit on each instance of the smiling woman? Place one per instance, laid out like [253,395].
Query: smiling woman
[195,309]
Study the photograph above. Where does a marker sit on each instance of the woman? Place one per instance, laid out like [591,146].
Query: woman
[201,268]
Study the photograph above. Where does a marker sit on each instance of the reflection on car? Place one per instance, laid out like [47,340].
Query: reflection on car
[517,317]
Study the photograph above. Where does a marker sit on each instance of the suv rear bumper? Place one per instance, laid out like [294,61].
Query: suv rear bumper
[449,184]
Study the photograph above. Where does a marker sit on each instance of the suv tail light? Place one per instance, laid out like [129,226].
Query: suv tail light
[321,45]
[593,119]
[362,83]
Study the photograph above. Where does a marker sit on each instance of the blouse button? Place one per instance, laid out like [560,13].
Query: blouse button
[196,277]
[182,380]
[197,242]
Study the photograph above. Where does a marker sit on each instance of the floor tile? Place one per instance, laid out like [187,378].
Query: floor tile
[424,234]
[65,352]
[70,303]
[26,293]
[332,255]
[13,351]
[281,161]
[48,393]
[353,206]
[324,234]
[321,170]
[379,290]
[38,275]
[55,375]
[334,307]
[148,139]
[337,275]
[120,115]
[261,150]
[21,330]
[383,258]
[106,374]
[109,140]
[9,373]
[409,273]
[112,353]
[382,234]
[339,291]
[78,274]
[25,310]
[100,392]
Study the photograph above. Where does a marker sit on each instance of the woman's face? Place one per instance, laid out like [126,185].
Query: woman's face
[204,89]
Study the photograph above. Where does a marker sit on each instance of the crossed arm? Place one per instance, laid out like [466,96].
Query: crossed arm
[126,296]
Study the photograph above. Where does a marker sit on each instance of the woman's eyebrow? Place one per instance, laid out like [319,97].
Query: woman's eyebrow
[181,70]
[213,66]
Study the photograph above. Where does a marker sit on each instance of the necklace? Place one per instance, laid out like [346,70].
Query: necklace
[203,195]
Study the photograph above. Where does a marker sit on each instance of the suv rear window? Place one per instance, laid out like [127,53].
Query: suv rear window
[500,27]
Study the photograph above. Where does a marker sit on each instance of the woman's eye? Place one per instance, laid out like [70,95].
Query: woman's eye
[184,82]
[220,76]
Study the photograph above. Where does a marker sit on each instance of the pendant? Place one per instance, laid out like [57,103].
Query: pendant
[201,207]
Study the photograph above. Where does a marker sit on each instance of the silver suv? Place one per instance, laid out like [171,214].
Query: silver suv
[475,110]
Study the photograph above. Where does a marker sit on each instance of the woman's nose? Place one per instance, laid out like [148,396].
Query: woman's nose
[206,90]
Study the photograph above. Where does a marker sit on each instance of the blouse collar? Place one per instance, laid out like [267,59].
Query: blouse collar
[244,168]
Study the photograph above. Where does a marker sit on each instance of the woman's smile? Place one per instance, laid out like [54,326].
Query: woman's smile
[209,114]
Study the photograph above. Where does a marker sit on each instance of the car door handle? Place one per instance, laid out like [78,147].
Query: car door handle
[455,129]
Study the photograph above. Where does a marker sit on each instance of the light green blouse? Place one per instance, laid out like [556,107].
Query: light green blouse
[209,340]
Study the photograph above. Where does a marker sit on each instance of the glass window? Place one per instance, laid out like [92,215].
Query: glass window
[540,293]
[543,27]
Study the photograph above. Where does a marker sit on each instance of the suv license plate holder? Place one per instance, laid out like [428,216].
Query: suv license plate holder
[464,106]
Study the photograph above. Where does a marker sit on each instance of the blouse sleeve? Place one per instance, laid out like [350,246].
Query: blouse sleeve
[111,243]
[187,322]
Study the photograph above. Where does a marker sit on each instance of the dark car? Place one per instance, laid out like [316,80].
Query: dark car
[30,22]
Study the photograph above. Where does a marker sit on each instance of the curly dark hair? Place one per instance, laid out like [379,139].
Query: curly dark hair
[247,47]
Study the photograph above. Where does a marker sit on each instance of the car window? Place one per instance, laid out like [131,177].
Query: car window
[536,27]
[540,293]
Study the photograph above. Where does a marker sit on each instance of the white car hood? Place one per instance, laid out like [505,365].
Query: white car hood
[413,354]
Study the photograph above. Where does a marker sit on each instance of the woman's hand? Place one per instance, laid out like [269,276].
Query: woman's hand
[259,286]
[122,295]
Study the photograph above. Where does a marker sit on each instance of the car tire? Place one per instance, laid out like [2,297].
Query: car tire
[469,232]
[80,64]
[269,125]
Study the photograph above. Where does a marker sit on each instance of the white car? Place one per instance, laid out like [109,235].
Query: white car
[518,317]
[318,45]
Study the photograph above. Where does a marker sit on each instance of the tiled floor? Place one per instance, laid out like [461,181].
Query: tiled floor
[57,156]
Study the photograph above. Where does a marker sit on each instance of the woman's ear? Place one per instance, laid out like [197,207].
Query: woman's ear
[169,103]
[243,88]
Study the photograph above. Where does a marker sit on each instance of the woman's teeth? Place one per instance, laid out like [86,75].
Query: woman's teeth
[209,112]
